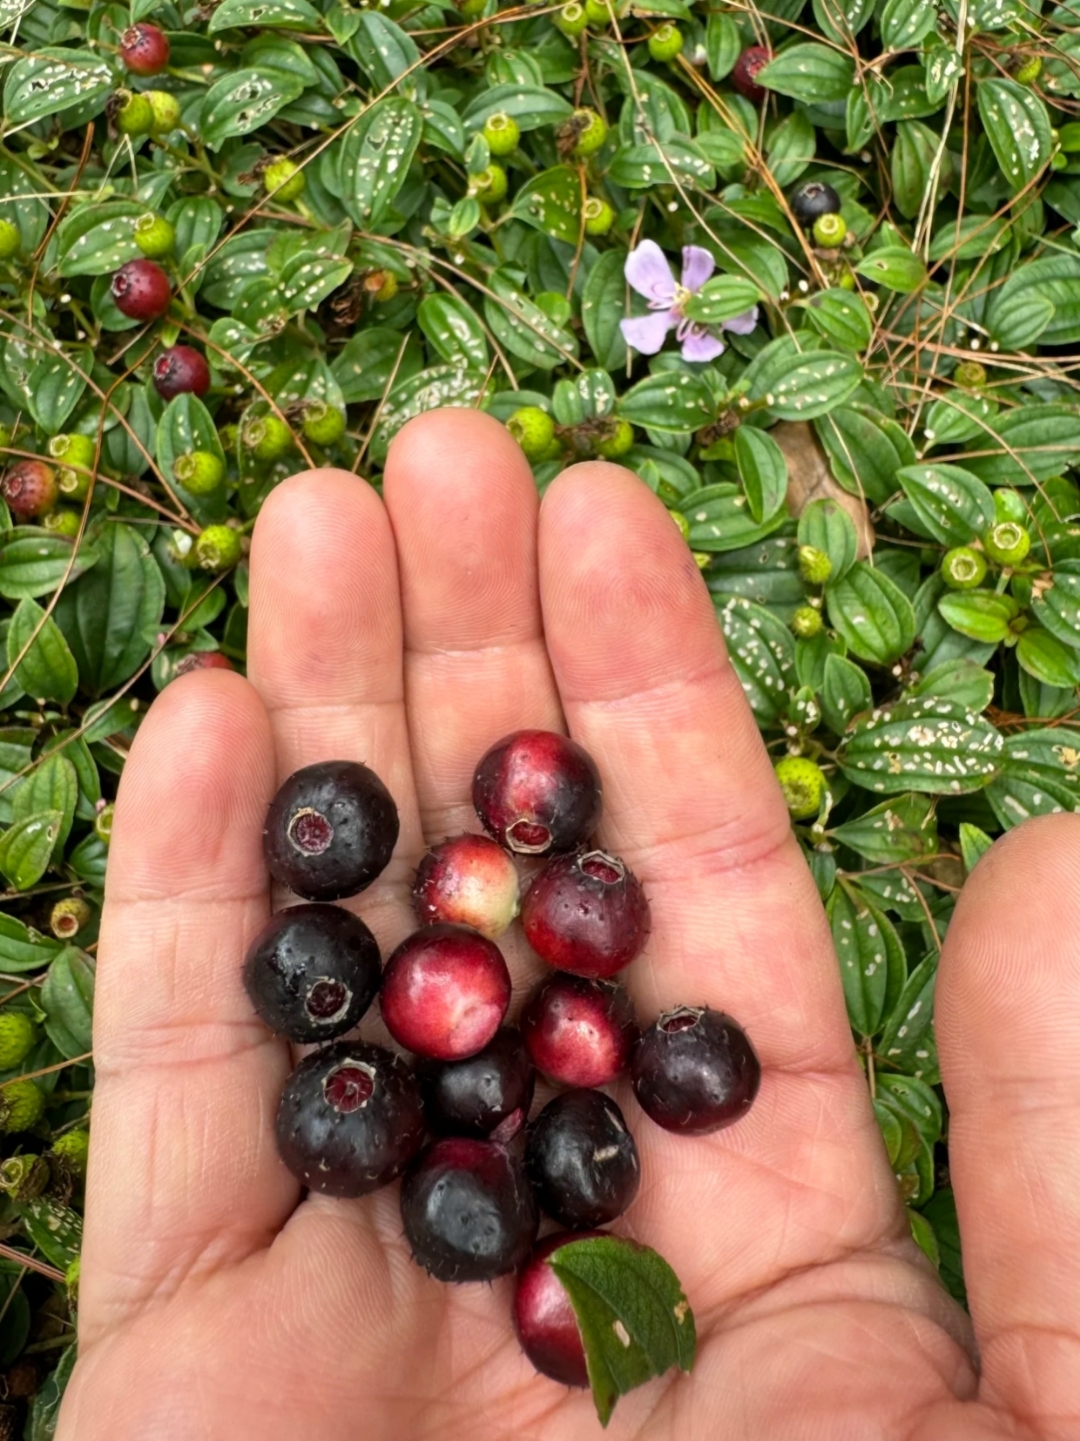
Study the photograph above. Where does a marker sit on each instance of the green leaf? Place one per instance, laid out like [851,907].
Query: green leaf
[56,1230]
[974,843]
[1018,128]
[551,202]
[375,160]
[721,518]
[904,829]
[905,22]
[242,101]
[453,330]
[67,998]
[520,326]
[894,267]
[865,450]
[57,383]
[912,1100]
[52,80]
[531,106]
[940,1211]
[98,239]
[809,72]
[872,614]
[16,752]
[236,14]
[27,846]
[47,671]
[762,651]
[384,50]
[792,145]
[671,400]
[603,305]
[51,786]
[1053,279]
[840,317]
[921,745]
[800,385]
[639,167]
[1032,442]
[22,201]
[634,1319]
[871,957]
[187,425]
[365,364]
[1047,658]
[33,563]
[826,525]
[23,949]
[907,1038]
[961,681]
[845,693]
[45,1407]
[763,471]
[1056,605]
[722,298]
[954,505]
[979,614]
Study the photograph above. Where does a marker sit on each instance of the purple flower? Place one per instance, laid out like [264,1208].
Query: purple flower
[649,273]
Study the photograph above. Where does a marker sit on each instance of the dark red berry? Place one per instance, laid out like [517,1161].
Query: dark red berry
[202,660]
[330,830]
[30,489]
[581,1160]
[695,1070]
[445,992]
[473,1096]
[587,914]
[350,1119]
[312,972]
[812,200]
[469,881]
[181,370]
[579,1032]
[744,76]
[141,290]
[544,1320]
[468,1210]
[144,49]
[537,792]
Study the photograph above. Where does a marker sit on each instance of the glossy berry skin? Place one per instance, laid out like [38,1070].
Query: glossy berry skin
[29,487]
[445,992]
[140,290]
[330,830]
[154,235]
[467,881]
[582,1161]
[144,49]
[586,913]
[537,792]
[544,1320]
[468,1210]
[744,75]
[694,1070]
[350,1119]
[473,1096]
[202,660]
[312,971]
[830,231]
[181,370]
[812,200]
[579,1032]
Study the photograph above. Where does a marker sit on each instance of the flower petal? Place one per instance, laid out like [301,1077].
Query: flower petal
[743,324]
[647,333]
[697,266]
[648,272]
[698,344]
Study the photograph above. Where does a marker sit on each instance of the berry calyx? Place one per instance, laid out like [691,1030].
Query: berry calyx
[1007,543]
[582,1160]
[10,240]
[18,1037]
[181,370]
[598,215]
[467,881]
[283,179]
[666,42]
[744,75]
[544,1319]
[586,914]
[533,429]
[63,522]
[132,113]
[22,1105]
[830,231]
[23,1177]
[216,548]
[30,489]
[67,918]
[970,375]
[502,133]
[166,110]
[154,235]
[695,1071]
[267,437]
[445,991]
[813,199]
[963,568]
[807,622]
[200,472]
[72,1150]
[537,792]
[350,1119]
[472,1096]
[590,130]
[815,567]
[144,49]
[312,972]
[803,784]
[103,822]
[619,442]
[324,424]
[490,185]
[330,830]
[571,20]
[579,1032]
[140,290]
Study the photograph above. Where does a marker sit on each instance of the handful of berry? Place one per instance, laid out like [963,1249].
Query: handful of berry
[354,1116]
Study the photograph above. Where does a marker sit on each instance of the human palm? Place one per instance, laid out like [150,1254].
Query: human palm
[216,1303]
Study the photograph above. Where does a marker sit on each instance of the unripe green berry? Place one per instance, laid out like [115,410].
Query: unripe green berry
[18,1037]
[10,240]
[502,133]
[682,523]
[229,436]
[134,115]
[1059,160]
[963,568]
[284,179]
[599,216]
[22,1105]
[1030,71]
[1007,543]
[71,1278]
[807,622]
[1010,505]
[166,110]
[73,1149]
[6,436]
[618,442]
[829,231]
[63,522]
[471,9]
[217,548]
[533,429]
[200,472]
[815,567]
[103,822]
[490,185]
[74,449]
[803,784]
[73,484]
[970,375]
[590,131]
[386,288]
[154,235]
[571,19]
[598,13]
[267,437]
[67,917]
[323,423]
[24,1177]
[665,43]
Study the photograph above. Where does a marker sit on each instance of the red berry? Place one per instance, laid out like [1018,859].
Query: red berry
[30,489]
[473,1096]
[141,290]
[469,881]
[544,1320]
[579,1032]
[746,68]
[144,49]
[581,1160]
[694,1070]
[537,792]
[202,660]
[180,370]
[586,914]
[445,992]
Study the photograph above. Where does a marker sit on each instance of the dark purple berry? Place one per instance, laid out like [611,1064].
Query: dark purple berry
[350,1119]
[181,370]
[744,75]
[330,830]
[473,1096]
[141,290]
[468,881]
[544,1320]
[312,972]
[579,1032]
[445,992]
[30,489]
[537,792]
[813,199]
[581,1160]
[586,914]
[468,1210]
[695,1070]
[144,49]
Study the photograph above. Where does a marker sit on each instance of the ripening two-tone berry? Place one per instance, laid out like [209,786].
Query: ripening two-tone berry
[141,290]
[467,881]
[181,370]
[445,991]
[579,1032]
[744,75]
[29,488]
[537,792]
[544,1319]
[586,913]
[144,49]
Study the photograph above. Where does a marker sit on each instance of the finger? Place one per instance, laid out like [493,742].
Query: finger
[1007,1018]
[184,1173]
[463,504]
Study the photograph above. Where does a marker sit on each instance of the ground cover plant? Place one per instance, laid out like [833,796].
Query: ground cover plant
[242,238]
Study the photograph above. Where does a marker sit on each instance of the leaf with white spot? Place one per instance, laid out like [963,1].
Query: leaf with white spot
[1018,128]
[762,651]
[721,518]
[921,745]
[376,156]
[907,1038]
[53,79]
[872,614]
[57,382]
[811,72]
[903,829]
[670,400]
[242,101]
[872,965]
[763,471]
[551,202]
[954,505]
[801,385]
[237,14]
[520,326]
[1057,605]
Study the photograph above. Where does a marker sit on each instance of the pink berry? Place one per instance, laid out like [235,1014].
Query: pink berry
[537,792]
[586,914]
[181,370]
[141,290]
[694,1070]
[445,992]
[468,881]
[544,1320]
[30,489]
[144,49]
[579,1032]
[746,68]
[202,660]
